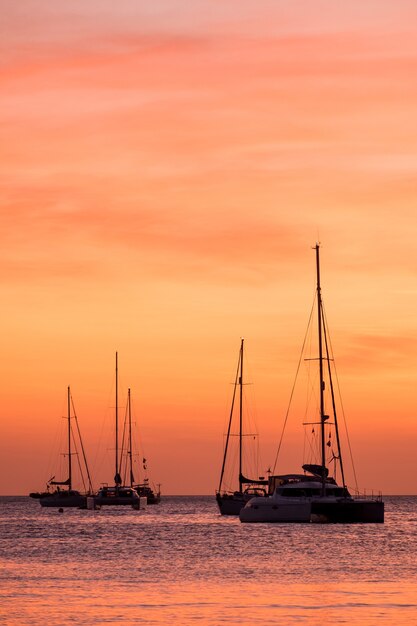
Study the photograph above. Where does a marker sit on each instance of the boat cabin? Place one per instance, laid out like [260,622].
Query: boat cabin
[302,485]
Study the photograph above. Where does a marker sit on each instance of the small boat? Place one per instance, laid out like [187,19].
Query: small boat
[121,494]
[231,502]
[60,493]
[315,496]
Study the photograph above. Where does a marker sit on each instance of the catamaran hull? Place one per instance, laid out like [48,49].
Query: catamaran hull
[299,512]
[316,510]
[348,512]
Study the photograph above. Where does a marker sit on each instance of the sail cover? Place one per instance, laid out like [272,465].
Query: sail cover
[316,470]
[249,481]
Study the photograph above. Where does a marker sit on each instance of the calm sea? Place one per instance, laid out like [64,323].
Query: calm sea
[179,562]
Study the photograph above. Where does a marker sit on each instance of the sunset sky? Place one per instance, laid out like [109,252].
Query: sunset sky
[166,169]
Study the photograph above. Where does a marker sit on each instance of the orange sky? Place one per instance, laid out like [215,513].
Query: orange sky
[165,169]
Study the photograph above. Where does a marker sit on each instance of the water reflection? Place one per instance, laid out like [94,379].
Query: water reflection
[180,562]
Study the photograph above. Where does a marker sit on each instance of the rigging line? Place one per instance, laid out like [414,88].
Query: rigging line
[230,421]
[100,457]
[55,451]
[251,456]
[311,393]
[343,414]
[312,385]
[229,478]
[129,410]
[251,415]
[329,369]
[137,450]
[250,401]
[312,445]
[133,421]
[122,448]
[293,387]
[90,483]
[258,462]
[304,442]
[77,455]
[78,460]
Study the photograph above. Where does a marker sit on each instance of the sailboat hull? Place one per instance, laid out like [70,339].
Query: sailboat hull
[231,504]
[63,499]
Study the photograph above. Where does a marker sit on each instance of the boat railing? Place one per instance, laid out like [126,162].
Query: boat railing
[377,497]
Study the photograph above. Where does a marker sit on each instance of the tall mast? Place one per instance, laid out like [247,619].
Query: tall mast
[132,480]
[322,384]
[69,441]
[117,478]
[240,415]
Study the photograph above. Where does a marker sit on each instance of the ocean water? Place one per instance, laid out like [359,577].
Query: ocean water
[181,563]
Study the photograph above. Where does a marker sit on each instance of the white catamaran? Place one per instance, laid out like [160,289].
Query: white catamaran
[314,495]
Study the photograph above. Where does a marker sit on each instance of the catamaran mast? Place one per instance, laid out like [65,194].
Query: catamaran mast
[240,415]
[322,384]
[69,441]
[117,477]
[132,480]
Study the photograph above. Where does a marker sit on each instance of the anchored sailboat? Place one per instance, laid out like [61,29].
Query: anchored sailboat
[62,493]
[120,494]
[314,495]
[143,489]
[231,502]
